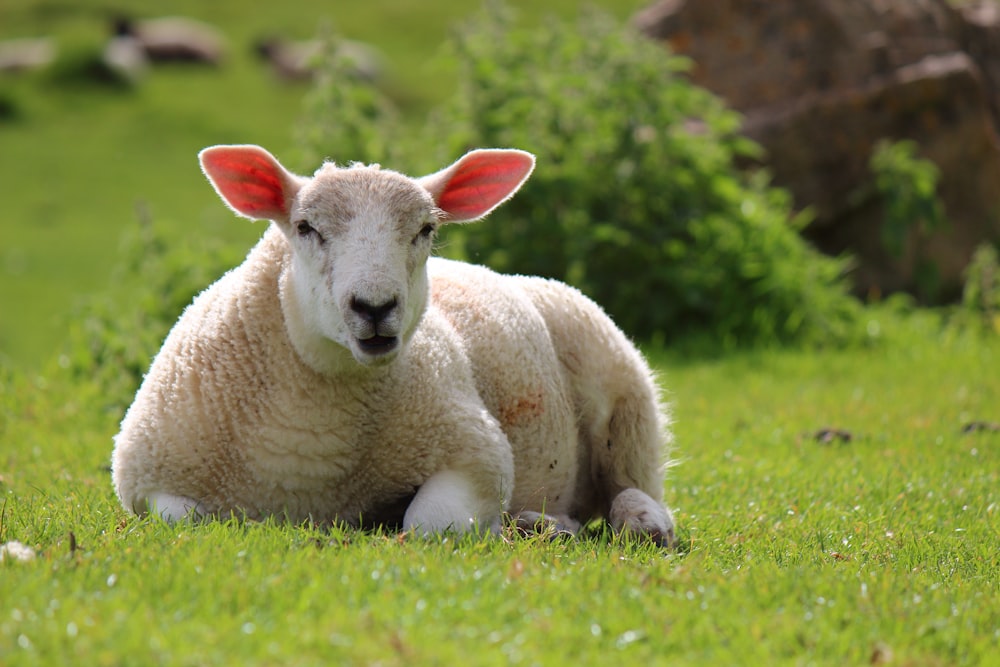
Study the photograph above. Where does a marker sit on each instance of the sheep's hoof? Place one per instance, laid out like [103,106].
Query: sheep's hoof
[633,511]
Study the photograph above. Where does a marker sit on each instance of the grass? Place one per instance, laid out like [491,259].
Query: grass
[794,551]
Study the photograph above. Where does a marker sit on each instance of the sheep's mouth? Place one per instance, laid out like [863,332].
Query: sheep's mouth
[378,345]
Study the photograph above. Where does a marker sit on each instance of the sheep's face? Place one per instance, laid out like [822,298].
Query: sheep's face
[361,238]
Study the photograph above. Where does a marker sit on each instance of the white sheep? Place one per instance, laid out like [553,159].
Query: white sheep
[339,374]
[172,39]
[22,55]
[300,60]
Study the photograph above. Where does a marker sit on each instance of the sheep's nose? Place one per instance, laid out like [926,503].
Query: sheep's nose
[373,312]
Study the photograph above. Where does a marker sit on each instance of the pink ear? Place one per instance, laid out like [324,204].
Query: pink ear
[250,180]
[479,182]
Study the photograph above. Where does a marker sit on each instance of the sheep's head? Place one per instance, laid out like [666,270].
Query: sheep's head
[360,238]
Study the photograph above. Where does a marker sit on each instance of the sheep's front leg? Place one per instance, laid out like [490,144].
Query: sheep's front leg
[173,508]
[449,500]
[635,512]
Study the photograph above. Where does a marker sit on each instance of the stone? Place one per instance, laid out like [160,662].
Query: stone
[821,82]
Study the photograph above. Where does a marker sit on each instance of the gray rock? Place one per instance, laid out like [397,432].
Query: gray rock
[821,82]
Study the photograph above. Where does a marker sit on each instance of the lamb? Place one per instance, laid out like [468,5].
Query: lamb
[342,374]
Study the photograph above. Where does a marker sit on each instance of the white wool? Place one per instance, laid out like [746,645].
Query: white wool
[338,374]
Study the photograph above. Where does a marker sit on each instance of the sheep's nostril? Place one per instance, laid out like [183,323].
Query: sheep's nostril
[372,312]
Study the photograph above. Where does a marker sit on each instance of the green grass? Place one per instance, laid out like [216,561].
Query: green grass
[792,551]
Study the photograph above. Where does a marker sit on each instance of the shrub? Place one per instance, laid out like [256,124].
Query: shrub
[907,187]
[636,198]
[980,305]
[84,66]
[346,117]
[10,108]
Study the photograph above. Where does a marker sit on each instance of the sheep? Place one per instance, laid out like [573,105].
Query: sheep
[342,374]
[173,39]
[21,55]
[125,56]
[298,61]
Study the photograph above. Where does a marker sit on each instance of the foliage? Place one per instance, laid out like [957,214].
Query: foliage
[636,199]
[87,66]
[10,108]
[907,187]
[980,307]
[350,118]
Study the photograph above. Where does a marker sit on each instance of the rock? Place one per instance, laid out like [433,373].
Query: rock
[819,147]
[979,35]
[821,82]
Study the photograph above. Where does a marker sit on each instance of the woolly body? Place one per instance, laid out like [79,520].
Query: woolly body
[506,394]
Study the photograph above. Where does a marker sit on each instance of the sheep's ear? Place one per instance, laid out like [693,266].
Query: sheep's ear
[250,180]
[478,182]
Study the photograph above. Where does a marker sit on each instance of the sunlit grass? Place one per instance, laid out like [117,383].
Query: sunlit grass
[878,544]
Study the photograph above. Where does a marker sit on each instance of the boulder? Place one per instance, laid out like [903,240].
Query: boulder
[821,82]
[979,35]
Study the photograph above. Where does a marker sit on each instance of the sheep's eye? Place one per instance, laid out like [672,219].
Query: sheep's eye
[305,229]
[425,232]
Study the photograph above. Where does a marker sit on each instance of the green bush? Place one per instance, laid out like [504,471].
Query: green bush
[346,118]
[84,66]
[636,199]
[907,187]
[10,107]
[980,307]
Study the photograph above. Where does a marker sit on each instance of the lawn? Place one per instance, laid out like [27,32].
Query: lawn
[879,545]
[835,506]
